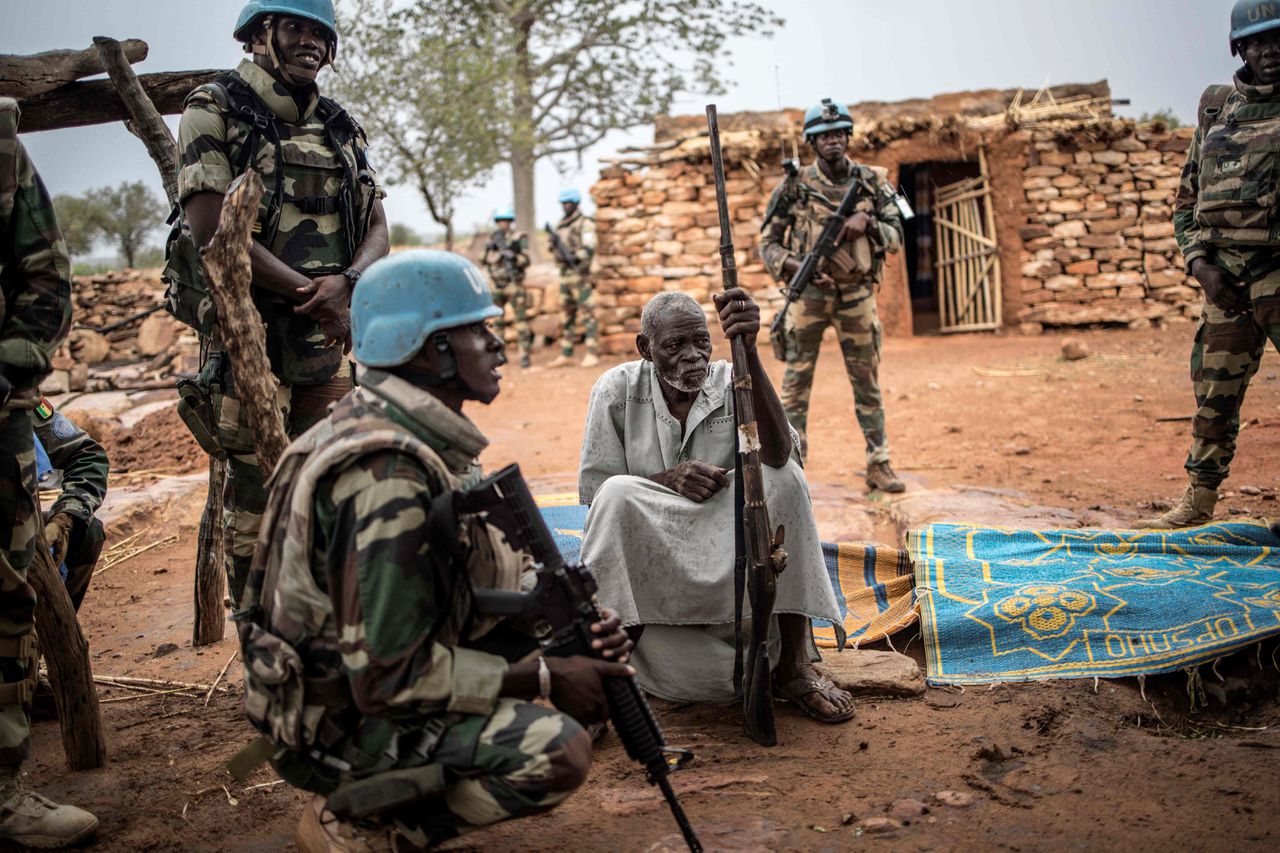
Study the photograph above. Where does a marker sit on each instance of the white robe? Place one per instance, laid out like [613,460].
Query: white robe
[666,562]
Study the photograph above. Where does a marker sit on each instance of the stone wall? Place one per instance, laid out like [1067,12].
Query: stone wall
[1084,219]
[1098,244]
[658,230]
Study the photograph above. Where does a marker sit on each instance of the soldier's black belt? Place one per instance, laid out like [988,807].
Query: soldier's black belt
[315,205]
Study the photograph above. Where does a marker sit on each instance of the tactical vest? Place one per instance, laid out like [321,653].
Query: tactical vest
[296,691]
[813,199]
[257,145]
[1239,162]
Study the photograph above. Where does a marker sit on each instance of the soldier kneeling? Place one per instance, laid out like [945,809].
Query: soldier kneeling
[378,685]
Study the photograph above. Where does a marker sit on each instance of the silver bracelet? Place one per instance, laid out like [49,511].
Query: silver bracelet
[544,679]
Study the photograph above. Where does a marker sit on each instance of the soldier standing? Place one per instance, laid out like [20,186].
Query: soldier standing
[35,314]
[506,256]
[1227,224]
[576,233]
[321,223]
[843,295]
[404,681]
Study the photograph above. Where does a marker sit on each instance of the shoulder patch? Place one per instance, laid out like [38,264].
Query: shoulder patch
[63,427]
[208,95]
[44,409]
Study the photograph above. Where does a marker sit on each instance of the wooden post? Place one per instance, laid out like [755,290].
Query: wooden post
[145,121]
[28,76]
[240,328]
[67,653]
[209,624]
[210,614]
[96,101]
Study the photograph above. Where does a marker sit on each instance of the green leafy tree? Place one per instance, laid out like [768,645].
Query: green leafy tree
[1164,117]
[424,89]
[79,220]
[128,214]
[563,73]
[403,235]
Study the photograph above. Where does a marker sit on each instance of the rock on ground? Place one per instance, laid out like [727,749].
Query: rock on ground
[864,672]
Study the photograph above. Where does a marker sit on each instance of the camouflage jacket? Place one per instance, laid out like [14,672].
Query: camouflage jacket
[35,270]
[579,235]
[79,459]
[514,241]
[1229,194]
[800,206]
[316,170]
[347,573]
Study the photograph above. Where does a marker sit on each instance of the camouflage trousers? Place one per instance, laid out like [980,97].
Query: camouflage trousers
[521,760]
[19,526]
[516,295]
[851,308]
[577,313]
[1224,358]
[244,494]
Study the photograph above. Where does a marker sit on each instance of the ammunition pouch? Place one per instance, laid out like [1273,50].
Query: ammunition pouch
[196,406]
[778,340]
[387,792]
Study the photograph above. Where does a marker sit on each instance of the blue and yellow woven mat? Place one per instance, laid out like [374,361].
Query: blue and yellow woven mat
[873,584]
[1018,605]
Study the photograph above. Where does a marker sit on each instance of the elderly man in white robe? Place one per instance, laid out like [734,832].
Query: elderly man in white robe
[657,469]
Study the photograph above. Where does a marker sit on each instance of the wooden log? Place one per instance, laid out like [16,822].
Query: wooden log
[67,653]
[97,102]
[210,615]
[28,76]
[144,121]
[240,327]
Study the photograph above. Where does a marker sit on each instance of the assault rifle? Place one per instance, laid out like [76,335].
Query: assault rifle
[506,255]
[559,249]
[823,248]
[760,557]
[563,602]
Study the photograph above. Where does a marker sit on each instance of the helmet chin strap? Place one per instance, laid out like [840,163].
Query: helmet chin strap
[303,76]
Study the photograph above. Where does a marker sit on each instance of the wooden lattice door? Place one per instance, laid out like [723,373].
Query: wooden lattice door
[968,258]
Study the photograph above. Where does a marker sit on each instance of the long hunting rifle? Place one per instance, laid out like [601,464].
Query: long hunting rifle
[760,558]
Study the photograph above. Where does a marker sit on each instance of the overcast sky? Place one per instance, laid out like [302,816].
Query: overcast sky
[1157,53]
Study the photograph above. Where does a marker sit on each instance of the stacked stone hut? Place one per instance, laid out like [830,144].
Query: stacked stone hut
[1032,212]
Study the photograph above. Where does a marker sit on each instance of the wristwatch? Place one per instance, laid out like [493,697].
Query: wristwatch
[352,274]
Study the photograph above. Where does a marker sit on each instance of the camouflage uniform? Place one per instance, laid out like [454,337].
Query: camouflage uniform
[35,315]
[80,469]
[508,290]
[577,291]
[400,672]
[796,213]
[1226,212]
[300,222]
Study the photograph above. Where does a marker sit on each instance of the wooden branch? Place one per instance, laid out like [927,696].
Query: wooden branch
[28,76]
[240,328]
[67,654]
[97,102]
[145,122]
[210,618]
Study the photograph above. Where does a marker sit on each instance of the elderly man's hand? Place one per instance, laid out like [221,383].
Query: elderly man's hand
[694,480]
[739,315]
[611,640]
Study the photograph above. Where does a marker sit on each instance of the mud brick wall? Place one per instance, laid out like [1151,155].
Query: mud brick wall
[1098,244]
[658,230]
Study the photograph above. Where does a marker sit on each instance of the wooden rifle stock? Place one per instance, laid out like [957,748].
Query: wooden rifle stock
[764,555]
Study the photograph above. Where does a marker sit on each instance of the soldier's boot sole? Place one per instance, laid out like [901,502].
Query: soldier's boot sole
[561,361]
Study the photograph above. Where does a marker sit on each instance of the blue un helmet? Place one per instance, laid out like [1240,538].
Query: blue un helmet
[825,116]
[402,299]
[507,214]
[1250,17]
[570,196]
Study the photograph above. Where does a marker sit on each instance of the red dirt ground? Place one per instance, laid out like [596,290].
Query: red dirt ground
[1050,766]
